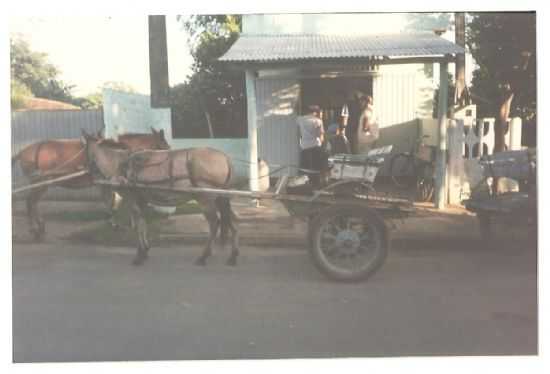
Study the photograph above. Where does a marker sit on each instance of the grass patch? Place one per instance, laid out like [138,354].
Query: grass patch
[79,216]
[106,234]
[190,207]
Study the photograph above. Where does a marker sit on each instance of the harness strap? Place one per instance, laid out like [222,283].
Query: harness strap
[189,170]
[37,156]
[53,172]
[229,173]
[171,170]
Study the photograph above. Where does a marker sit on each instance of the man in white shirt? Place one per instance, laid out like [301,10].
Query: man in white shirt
[311,131]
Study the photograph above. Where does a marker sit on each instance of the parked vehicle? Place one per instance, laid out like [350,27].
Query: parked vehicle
[517,207]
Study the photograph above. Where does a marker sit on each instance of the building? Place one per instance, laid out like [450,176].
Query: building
[293,60]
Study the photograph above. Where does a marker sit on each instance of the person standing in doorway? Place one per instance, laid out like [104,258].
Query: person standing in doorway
[337,139]
[367,129]
[312,155]
[354,111]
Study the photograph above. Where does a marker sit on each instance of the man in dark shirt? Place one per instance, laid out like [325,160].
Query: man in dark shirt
[353,120]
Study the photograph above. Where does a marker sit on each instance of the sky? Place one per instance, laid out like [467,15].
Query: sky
[91,50]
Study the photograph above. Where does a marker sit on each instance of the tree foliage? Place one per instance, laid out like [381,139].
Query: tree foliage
[428,21]
[213,93]
[95,99]
[33,70]
[498,42]
[19,94]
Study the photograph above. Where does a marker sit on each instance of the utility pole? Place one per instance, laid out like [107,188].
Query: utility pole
[158,62]
[461,92]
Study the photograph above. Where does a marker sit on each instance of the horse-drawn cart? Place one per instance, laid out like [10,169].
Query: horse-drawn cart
[347,232]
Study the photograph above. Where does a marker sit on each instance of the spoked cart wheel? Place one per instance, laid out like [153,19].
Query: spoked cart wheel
[348,243]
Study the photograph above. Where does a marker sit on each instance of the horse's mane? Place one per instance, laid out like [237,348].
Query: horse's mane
[133,135]
[113,144]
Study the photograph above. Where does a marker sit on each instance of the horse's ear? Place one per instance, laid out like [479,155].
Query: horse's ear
[153,130]
[161,132]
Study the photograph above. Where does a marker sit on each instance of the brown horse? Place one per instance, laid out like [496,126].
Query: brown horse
[49,159]
[193,167]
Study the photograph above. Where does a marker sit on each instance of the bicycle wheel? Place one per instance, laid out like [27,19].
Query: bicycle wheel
[425,184]
[402,170]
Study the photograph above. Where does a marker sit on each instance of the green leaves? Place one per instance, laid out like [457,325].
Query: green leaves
[213,92]
[497,41]
[32,70]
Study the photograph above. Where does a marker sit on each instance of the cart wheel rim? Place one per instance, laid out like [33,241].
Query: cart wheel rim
[349,245]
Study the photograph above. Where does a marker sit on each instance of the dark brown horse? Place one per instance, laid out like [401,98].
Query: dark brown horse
[49,159]
[193,167]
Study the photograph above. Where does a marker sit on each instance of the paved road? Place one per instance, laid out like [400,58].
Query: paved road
[440,293]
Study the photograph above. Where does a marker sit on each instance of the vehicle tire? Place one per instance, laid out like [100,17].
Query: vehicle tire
[349,243]
[402,170]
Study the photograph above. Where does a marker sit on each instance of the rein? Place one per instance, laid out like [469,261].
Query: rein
[39,174]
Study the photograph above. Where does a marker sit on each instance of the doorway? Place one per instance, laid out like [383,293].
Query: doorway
[331,94]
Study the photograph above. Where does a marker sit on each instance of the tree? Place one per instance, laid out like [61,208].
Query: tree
[32,70]
[504,47]
[19,94]
[461,95]
[213,97]
[95,99]
[427,21]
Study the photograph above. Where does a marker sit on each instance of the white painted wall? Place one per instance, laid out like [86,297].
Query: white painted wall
[276,117]
[132,113]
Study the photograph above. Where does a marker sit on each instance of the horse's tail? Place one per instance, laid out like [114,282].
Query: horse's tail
[226,216]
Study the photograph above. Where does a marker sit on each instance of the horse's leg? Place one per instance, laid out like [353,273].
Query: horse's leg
[37,226]
[227,220]
[141,230]
[210,213]
[109,198]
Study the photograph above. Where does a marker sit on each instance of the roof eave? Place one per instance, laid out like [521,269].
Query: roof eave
[379,60]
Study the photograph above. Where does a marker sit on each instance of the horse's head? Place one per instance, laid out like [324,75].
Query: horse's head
[90,142]
[159,140]
[100,156]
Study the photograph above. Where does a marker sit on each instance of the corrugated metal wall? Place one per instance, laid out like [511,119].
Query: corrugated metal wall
[395,98]
[276,101]
[395,102]
[28,127]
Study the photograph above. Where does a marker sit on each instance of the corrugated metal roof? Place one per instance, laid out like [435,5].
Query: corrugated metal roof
[269,48]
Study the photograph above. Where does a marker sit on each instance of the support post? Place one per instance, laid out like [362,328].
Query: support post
[252,129]
[441,160]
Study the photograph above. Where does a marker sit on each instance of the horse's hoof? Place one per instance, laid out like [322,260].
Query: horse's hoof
[37,236]
[232,261]
[139,260]
[201,261]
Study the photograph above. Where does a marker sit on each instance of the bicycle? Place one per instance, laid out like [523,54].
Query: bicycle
[415,169]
